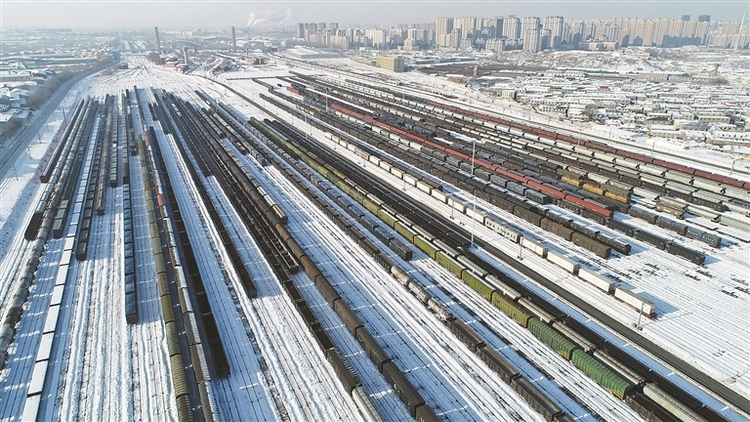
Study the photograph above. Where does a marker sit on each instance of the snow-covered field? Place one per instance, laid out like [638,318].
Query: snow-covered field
[104,369]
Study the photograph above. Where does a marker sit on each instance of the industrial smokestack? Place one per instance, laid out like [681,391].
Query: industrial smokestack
[156,35]
[185,54]
[234,41]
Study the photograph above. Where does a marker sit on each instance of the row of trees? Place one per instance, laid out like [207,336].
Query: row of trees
[43,93]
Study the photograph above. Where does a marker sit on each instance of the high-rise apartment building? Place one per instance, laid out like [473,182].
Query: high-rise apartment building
[661,30]
[418,35]
[512,27]
[453,40]
[443,27]
[529,22]
[377,36]
[555,26]
[493,27]
[532,41]
[467,25]
[704,18]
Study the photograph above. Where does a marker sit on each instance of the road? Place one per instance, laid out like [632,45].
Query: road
[17,143]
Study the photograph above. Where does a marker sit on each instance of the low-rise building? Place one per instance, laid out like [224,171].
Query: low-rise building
[392,63]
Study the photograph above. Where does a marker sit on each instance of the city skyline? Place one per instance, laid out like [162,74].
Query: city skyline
[215,13]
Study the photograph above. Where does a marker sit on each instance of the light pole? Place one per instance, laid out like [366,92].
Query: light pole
[474,215]
[640,315]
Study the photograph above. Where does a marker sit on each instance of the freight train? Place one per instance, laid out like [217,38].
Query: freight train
[600,243]
[328,173]
[274,233]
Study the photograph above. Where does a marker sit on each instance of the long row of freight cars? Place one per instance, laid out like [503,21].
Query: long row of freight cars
[501,124]
[257,216]
[319,165]
[165,277]
[596,166]
[578,169]
[600,243]
[507,372]
[583,236]
[467,270]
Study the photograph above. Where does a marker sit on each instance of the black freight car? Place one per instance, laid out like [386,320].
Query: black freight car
[696,257]
[498,364]
[622,227]
[540,402]
[466,334]
[601,250]
[643,214]
[674,226]
[651,238]
[403,388]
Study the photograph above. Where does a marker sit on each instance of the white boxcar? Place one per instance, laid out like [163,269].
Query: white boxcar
[409,179]
[597,280]
[457,205]
[424,187]
[476,215]
[535,247]
[439,195]
[567,264]
[38,375]
[51,322]
[31,407]
[636,301]
[45,347]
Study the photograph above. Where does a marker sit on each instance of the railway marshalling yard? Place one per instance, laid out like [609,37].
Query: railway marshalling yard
[452,260]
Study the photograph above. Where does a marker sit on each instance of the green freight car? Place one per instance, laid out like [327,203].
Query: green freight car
[477,284]
[606,377]
[404,231]
[449,263]
[511,309]
[383,214]
[425,246]
[551,338]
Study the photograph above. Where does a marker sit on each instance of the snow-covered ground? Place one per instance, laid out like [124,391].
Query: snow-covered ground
[105,369]
[692,301]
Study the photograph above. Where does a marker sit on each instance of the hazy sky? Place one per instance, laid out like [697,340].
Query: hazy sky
[216,13]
